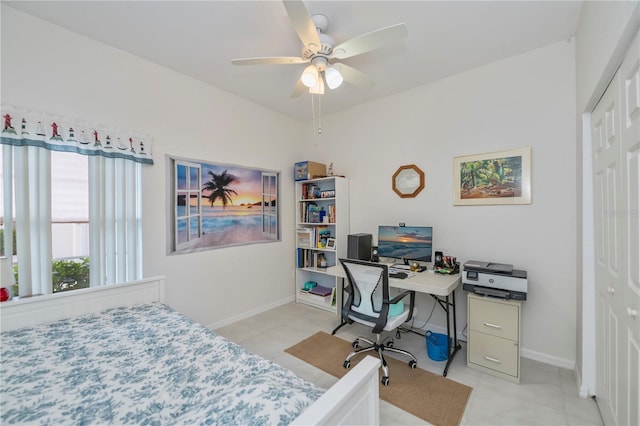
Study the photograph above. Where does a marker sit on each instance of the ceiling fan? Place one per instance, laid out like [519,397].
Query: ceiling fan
[322,54]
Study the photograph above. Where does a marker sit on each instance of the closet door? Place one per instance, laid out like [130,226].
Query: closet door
[616,144]
[608,246]
[630,150]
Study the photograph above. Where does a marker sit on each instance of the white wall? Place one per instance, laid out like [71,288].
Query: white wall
[47,68]
[604,32]
[527,100]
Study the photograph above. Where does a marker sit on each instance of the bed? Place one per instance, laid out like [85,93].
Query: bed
[119,355]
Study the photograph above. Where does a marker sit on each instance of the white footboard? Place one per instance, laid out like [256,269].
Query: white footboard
[31,311]
[353,400]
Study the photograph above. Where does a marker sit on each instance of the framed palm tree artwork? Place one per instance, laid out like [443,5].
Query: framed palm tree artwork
[217,205]
[502,177]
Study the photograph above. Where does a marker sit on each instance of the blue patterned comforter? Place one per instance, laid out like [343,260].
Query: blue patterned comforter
[142,365]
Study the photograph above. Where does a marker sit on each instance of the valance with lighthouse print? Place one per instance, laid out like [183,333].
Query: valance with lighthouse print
[26,127]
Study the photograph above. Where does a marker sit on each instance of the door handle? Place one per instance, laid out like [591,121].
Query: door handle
[632,312]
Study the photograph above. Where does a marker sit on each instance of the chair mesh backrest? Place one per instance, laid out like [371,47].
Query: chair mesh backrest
[367,289]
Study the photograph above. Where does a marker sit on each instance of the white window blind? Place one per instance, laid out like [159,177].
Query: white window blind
[112,205]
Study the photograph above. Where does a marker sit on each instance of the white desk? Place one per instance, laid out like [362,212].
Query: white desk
[440,287]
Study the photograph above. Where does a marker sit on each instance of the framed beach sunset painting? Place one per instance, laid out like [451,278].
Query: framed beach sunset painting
[219,205]
[493,178]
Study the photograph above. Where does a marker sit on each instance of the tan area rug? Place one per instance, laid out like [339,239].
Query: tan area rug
[433,398]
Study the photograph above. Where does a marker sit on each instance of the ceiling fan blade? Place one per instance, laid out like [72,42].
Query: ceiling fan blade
[355,77]
[270,60]
[298,90]
[370,41]
[303,24]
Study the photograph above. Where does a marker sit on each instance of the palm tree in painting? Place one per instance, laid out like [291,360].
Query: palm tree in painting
[218,186]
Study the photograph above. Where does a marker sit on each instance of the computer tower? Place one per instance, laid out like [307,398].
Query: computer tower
[359,246]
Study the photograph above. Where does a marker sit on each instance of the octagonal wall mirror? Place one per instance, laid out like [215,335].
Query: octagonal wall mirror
[408,181]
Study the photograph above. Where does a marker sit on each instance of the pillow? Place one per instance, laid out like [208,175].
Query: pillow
[396,309]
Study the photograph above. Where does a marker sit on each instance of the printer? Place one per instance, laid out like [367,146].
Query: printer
[494,279]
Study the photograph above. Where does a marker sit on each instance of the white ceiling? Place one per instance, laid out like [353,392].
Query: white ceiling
[199,39]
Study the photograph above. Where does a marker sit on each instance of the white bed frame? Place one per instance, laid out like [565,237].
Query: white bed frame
[354,399]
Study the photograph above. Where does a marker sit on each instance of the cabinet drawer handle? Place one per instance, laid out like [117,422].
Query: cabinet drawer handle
[488,358]
[488,324]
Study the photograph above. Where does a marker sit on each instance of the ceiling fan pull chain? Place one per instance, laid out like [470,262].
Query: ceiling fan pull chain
[313,113]
[319,114]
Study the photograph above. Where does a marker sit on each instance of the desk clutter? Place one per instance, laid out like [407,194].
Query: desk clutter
[445,264]
[400,273]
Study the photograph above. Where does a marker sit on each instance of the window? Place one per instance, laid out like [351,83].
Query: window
[218,205]
[69,221]
[70,211]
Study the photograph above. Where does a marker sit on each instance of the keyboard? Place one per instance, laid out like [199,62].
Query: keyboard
[401,275]
[396,273]
[401,266]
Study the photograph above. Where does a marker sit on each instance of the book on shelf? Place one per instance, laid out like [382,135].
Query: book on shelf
[313,214]
[332,213]
[312,191]
[321,291]
[310,213]
[322,233]
[305,258]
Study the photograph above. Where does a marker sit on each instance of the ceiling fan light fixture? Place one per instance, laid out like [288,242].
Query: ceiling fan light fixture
[310,76]
[333,77]
[318,88]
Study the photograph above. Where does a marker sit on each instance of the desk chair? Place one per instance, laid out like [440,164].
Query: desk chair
[368,303]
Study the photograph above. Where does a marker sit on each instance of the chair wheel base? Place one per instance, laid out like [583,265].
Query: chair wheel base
[346,364]
[413,364]
[385,381]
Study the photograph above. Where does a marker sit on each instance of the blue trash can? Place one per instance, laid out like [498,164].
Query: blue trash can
[437,346]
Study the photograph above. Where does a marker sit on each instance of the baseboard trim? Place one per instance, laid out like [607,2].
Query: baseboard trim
[548,359]
[583,391]
[251,313]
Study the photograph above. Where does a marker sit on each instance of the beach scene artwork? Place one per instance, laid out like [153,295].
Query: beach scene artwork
[219,205]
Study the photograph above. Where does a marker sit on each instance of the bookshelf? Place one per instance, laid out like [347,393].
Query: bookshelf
[322,226]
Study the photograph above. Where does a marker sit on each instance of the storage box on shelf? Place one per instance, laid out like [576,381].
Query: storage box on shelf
[322,226]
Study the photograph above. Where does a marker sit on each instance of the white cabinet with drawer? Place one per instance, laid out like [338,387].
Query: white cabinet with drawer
[494,336]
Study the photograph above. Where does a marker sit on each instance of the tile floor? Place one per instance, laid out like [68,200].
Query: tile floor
[546,395]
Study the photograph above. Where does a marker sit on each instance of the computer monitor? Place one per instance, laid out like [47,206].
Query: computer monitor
[405,242]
